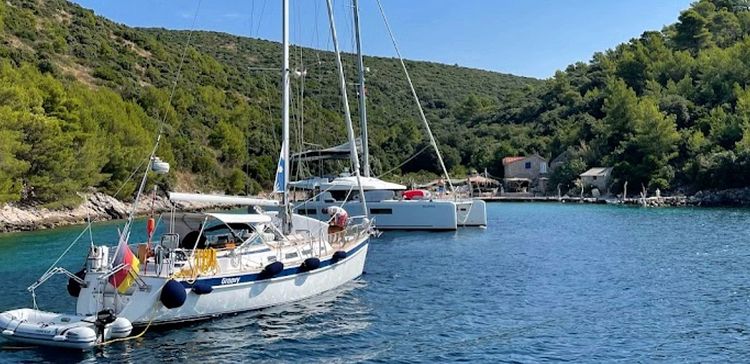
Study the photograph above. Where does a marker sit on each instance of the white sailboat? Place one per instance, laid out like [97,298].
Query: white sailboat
[385,200]
[206,264]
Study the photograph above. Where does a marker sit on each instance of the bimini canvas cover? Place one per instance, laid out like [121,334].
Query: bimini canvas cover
[249,219]
[190,223]
[221,199]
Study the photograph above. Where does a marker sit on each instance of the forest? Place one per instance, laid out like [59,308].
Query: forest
[668,110]
[82,99]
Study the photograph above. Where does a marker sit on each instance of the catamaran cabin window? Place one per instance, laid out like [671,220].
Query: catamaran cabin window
[381,211]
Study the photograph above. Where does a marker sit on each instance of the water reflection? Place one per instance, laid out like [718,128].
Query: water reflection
[330,316]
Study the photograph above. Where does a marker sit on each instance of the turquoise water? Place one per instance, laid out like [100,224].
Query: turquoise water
[544,282]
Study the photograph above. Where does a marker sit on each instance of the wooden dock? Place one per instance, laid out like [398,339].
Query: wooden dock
[543,199]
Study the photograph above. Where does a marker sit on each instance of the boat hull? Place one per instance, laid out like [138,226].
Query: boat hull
[471,213]
[239,293]
[394,214]
[30,326]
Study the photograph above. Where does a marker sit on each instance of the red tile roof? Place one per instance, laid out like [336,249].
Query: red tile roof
[509,160]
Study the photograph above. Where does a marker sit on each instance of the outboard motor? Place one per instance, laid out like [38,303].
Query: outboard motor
[104,318]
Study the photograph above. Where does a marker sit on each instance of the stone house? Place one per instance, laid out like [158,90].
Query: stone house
[525,174]
[598,177]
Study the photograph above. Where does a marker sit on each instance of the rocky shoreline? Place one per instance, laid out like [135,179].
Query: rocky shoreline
[738,197]
[96,206]
[101,207]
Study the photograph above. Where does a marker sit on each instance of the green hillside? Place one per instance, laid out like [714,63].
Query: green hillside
[81,97]
[668,110]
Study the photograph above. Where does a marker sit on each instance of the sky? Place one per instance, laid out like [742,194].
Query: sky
[523,37]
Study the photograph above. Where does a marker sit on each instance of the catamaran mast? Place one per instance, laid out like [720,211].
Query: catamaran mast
[362,94]
[416,99]
[286,213]
[347,113]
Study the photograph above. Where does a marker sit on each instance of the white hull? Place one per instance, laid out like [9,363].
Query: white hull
[36,327]
[471,213]
[238,281]
[244,296]
[394,214]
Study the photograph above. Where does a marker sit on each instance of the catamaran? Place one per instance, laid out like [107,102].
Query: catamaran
[205,264]
[390,207]
[388,211]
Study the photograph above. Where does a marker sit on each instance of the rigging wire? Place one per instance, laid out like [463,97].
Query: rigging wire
[247,134]
[404,162]
[163,118]
[134,207]
[130,176]
[51,267]
[415,96]
[252,17]
[179,66]
[160,131]
[260,17]
[296,94]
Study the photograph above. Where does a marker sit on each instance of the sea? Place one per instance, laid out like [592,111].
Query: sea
[544,282]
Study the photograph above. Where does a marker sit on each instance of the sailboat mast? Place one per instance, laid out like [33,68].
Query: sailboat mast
[362,94]
[285,114]
[347,112]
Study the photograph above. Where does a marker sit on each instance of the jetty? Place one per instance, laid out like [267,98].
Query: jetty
[564,199]
[660,201]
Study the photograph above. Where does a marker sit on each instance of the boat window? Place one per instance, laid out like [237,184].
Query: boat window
[381,211]
[218,236]
[307,211]
[291,255]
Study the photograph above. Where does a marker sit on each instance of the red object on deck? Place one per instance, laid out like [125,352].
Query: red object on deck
[341,218]
[416,195]
[150,226]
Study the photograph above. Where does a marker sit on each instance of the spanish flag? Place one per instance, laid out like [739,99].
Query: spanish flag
[125,276]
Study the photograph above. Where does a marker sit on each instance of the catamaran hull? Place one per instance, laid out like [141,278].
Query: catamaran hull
[233,294]
[394,214]
[471,213]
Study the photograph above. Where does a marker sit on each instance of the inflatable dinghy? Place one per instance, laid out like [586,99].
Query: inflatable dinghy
[65,331]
